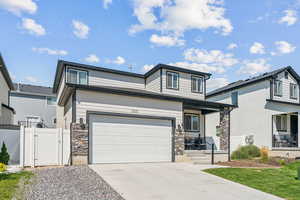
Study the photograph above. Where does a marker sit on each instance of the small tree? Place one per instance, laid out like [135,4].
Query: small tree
[4,156]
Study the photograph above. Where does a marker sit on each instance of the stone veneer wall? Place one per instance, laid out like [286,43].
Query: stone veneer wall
[79,144]
[225,128]
[179,141]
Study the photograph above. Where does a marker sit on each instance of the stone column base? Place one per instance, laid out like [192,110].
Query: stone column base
[79,160]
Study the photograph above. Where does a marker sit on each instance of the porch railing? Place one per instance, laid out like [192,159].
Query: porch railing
[285,141]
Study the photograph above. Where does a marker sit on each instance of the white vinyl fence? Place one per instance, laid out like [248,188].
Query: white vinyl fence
[44,146]
[11,138]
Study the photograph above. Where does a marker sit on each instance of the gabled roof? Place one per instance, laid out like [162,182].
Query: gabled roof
[5,73]
[61,64]
[242,83]
[33,89]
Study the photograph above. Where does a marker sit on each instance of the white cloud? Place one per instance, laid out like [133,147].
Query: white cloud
[178,16]
[283,47]
[92,58]
[232,46]
[214,57]
[32,27]
[19,6]
[81,30]
[199,67]
[168,41]
[119,60]
[147,67]
[290,17]
[32,79]
[50,51]
[253,67]
[106,3]
[216,83]
[257,48]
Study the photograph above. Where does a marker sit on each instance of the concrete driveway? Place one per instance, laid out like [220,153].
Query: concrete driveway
[173,181]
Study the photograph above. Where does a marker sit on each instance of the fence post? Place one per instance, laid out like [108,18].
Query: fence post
[212,153]
[33,149]
[60,146]
[22,144]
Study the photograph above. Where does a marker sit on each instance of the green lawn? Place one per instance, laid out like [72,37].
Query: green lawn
[280,182]
[9,183]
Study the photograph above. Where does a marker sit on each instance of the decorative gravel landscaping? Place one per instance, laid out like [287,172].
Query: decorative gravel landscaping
[9,183]
[281,182]
[69,183]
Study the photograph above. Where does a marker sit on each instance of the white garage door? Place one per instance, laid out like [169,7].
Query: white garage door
[117,139]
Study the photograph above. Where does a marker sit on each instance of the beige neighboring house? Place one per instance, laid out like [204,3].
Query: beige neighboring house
[6,85]
[122,117]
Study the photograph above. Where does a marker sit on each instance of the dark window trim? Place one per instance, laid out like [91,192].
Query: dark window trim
[202,88]
[161,80]
[275,94]
[291,97]
[89,113]
[199,121]
[177,80]
[77,69]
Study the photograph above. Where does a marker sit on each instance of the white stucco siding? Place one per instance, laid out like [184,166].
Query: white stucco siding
[68,114]
[104,102]
[185,86]
[7,116]
[61,85]
[3,90]
[153,82]
[286,88]
[99,78]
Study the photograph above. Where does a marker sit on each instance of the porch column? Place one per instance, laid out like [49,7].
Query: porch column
[179,141]
[79,144]
[224,129]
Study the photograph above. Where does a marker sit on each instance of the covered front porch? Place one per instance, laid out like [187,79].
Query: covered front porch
[194,122]
[285,134]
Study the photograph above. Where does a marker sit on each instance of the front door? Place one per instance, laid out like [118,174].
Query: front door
[294,129]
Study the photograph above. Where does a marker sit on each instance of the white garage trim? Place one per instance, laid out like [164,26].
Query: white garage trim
[89,113]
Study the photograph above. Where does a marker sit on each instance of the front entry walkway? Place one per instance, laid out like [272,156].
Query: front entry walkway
[173,181]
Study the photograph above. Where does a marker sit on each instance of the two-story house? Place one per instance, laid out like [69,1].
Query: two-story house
[267,112]
[6,85]
[118,116]
[35,105]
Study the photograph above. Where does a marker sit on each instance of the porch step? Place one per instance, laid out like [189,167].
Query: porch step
[199,157]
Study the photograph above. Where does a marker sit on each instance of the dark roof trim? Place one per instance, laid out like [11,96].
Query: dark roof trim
[149,95]
[5,73]
[283,102]
[9,108]
[61,64]
[254,80]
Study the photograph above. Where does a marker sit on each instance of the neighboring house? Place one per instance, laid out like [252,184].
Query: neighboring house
[118,116]
[35,105]
[267,113]
[6,111]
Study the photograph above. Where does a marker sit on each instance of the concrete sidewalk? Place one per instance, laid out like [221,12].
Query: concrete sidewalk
[173,181]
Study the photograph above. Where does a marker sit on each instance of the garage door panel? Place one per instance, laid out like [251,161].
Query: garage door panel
[124,139]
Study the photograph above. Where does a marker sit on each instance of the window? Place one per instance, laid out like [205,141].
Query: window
[51,100]
[197,84]
[281,123]
[172,80]
[191,122]
[235,98]
[293,91]
[76,76]
[278,88]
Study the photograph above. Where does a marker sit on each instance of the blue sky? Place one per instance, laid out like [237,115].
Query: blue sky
[232,39]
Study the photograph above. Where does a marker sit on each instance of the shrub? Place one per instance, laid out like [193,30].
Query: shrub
[264,151]
[2,167]
[4,156]
[246,152]
[281,162]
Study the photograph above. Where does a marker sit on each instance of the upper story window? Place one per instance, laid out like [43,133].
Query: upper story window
[278,88]
[191,122]
[197,84]
[172,80]
[235,98]
[293,91]
[76,76]
[51,100]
